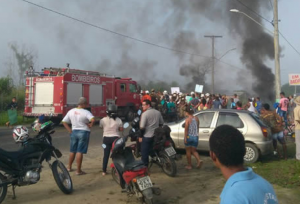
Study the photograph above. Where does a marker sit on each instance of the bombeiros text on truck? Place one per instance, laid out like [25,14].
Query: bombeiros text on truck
[56,90]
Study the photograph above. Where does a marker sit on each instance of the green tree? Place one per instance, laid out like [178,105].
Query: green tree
[289,90]
[5,85]
[25,59]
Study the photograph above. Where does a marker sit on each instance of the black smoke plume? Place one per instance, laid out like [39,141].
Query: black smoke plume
[257,45]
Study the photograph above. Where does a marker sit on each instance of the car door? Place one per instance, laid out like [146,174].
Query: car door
[233,119]
[206,119]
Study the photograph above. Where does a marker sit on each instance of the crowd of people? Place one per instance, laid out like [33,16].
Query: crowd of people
[174,106]
[227,145]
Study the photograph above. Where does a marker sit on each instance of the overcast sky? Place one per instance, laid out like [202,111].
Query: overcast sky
[58,40]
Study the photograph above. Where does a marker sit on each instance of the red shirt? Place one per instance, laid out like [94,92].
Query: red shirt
[146,97]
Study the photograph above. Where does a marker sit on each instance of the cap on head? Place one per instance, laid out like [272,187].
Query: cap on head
[147,92]
[207,94]
[82,101]
[202,95]
[192,93]
[152,90]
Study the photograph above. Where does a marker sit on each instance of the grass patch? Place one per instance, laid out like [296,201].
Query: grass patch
[21,120]
[284,173]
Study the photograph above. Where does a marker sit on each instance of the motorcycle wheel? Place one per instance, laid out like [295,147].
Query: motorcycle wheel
[147,196]
[168,165]
[62,177]
[3,189]
[115,175]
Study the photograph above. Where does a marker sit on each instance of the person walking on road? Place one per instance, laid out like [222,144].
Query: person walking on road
[283,105]
[227,150]
[82,120]
[274,121]
[297,126]
[12,112]
[191,138]
[150,120]
[112,125]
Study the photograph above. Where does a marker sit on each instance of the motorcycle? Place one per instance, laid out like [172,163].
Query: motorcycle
[163,152]
[131,175]
[23,167]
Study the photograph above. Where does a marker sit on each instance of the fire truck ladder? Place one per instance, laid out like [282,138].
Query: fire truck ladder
[62,71]
[30,92]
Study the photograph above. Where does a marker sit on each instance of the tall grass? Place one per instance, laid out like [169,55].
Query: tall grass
[21,120]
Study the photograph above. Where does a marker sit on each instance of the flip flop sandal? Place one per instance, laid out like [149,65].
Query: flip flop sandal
[200,164]
[188,167]
[69,170]
[80,173]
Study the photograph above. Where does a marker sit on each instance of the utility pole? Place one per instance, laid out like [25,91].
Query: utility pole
[276,50]
[213,60]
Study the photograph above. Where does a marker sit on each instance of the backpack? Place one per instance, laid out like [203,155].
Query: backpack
[161,134]
[274,121]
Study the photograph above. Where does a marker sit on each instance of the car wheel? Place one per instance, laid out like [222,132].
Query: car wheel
[252,153]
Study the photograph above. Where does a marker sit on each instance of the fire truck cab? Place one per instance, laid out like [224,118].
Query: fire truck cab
[55,91]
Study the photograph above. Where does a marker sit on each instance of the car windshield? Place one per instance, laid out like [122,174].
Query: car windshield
[257,119]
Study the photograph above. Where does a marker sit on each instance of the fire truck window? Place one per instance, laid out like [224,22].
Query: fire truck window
[132,88]
[123,87]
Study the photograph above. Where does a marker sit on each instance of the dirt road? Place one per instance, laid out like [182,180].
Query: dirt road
[196,186]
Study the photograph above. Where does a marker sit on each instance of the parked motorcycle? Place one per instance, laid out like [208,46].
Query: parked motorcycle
[23,167]
[131,175]
[163,152]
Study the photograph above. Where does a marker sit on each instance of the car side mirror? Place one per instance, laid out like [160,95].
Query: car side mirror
[183,125]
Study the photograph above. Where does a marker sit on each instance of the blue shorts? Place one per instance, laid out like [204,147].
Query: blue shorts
[79,141]
[192,141]
[279,136]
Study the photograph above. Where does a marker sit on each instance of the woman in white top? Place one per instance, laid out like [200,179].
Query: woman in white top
[250,106]
[112,125]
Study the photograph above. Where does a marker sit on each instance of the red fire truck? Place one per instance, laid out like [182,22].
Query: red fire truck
[55,91]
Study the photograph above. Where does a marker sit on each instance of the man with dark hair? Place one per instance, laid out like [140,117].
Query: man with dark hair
[235,98]
[274,121]
[227,150]
[194,103]
[150,120]
[283,105]
[258,105]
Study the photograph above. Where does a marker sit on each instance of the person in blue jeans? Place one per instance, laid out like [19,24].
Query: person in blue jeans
[82,120]
[191,137]
[150,120]
[227,150]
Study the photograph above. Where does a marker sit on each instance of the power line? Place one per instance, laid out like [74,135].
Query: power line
[271,5]
[250,9]
[289,43]
[122,35]
[114,32]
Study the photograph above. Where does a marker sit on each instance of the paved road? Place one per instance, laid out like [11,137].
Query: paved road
[61,138]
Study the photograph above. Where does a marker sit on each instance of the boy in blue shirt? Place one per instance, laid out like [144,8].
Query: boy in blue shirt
[227,150]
